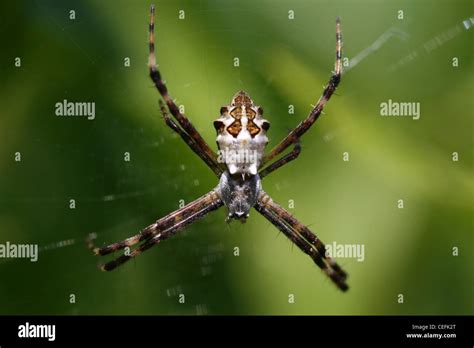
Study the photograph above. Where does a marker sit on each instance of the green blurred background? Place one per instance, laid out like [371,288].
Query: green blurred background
[407,251]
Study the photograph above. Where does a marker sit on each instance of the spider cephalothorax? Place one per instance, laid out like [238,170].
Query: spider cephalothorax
[241,135]
[239,194]
[240,166]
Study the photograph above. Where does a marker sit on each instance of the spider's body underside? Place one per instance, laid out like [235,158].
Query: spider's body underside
[241,132]
[240,166]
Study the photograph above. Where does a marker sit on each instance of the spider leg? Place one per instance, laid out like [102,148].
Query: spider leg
[162,235]
[182,119]
[304,231]
[302,237]
[206,201]
[282,161]
[188,140]
[296,133]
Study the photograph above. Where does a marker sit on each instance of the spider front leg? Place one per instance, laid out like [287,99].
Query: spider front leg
[191,143]
[302,237]
[160,230]
[296,133]
[199,144]
[282,161]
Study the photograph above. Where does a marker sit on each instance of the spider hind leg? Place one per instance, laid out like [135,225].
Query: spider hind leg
[162,229]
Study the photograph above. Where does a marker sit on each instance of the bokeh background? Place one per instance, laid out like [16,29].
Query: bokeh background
[407,251]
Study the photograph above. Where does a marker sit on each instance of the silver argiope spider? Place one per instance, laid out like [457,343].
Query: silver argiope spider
[240,128]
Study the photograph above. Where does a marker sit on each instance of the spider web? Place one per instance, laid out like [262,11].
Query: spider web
[121,197]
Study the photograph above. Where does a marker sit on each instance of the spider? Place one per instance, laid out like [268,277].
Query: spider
[241,132]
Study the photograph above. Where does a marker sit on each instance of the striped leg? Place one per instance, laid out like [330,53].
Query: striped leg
[302,237]
[282,161]
[162,235]
[188,140]
[296,133]
[210,199]
[183,121]
[304,231]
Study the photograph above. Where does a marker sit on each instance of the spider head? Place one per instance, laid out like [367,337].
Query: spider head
[241,135]
[239,194]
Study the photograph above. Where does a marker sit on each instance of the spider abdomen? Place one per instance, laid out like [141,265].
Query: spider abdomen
[241,135]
